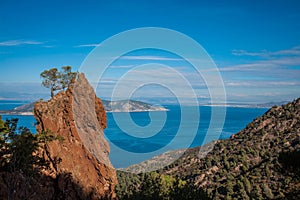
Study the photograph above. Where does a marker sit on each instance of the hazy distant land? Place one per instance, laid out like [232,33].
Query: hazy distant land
[109,106]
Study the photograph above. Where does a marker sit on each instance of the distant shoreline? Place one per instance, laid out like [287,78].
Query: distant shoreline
[31,113]
[109,106]
[237,106]
[27,113]
[15,113]
[137,111]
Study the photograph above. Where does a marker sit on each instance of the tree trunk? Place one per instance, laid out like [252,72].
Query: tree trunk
[52,92]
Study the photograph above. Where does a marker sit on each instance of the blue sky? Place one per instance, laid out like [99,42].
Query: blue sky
[255,44]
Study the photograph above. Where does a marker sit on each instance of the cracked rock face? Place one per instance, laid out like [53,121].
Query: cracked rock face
[77,116]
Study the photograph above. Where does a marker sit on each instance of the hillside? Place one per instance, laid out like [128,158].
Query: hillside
[25,108]
[260,162]
[130,106]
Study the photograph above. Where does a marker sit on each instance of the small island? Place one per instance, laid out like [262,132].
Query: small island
[130,106]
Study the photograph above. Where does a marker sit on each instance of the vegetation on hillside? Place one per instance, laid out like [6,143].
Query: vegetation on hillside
[152,185]
[260,162]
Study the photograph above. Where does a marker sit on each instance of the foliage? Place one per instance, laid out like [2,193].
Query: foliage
[57,80]
[66,76]
[19,146]
[259,162]
[291,161]
[156,186]
[20,162]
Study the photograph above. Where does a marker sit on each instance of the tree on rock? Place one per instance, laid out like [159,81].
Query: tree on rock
[57,80]
[66,76]
[51,80]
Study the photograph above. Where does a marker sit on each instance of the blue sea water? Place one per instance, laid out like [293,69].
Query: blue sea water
[10,104]
[124,146]
[24,120]
[128,149]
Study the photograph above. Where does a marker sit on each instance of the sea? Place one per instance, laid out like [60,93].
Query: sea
[138,136]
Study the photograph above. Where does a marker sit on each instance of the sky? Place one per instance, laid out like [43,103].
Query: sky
[254,44]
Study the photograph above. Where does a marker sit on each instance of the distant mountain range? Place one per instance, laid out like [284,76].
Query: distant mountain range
[109,106]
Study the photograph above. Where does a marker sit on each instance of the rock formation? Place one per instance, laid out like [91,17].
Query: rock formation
[78,117]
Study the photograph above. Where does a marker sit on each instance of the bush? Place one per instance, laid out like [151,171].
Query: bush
[18,145]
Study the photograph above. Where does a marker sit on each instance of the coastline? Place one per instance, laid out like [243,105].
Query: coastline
[31,113]
[15,113]
[124,111]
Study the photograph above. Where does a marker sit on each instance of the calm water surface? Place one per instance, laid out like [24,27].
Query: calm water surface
[120,141]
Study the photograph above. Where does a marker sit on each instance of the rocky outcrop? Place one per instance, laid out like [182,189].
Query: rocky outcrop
[78,117]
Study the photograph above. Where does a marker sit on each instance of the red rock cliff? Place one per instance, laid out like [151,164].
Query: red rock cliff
[77,116]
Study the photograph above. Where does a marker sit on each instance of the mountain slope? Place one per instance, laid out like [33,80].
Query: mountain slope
[255,163]
[260,162]
[25,108]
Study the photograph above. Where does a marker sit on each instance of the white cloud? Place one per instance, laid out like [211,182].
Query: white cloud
[295,51]
[20,42]
[261,83]
[150,58]
[247,53]
[87,45]
[265,65]
[150,82]
[49,46]
[121,66]
[265,76]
